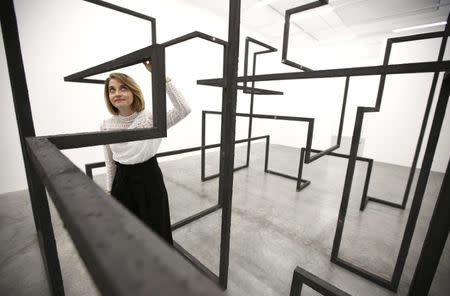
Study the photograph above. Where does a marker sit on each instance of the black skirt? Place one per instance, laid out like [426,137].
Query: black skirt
[140,188]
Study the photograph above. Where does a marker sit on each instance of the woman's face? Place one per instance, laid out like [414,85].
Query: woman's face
[120,95]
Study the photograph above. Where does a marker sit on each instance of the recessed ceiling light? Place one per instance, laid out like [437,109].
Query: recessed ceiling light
[419,27]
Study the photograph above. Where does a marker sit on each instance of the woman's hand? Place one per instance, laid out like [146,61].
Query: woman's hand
[148,65]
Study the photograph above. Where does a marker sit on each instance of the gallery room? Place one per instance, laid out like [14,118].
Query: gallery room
[215,147]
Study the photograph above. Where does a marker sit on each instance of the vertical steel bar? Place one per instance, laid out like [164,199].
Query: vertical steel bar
[434,242]
[38,196]
[266,160]
[365,197]
[423,178]
[296,285]
[285,36]
[250,118]
[344,104]
[203,150]
[300,168]
[159,88]
[348,182]
[228,130]
[154,32]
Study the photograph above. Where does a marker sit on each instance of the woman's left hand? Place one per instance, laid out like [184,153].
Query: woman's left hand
[148,65]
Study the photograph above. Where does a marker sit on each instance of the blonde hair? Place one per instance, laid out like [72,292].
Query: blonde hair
[138,98]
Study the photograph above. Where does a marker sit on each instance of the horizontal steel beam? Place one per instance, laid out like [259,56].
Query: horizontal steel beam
[121,9]
[407,68]
[130,59]
[123,256]
[78,140]
[195,34]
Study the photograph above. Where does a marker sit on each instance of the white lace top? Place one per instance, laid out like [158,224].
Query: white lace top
[139,151]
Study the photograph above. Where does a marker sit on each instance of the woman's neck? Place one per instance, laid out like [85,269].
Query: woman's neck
[125,111]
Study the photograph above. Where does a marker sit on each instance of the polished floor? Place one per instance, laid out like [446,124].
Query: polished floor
[274,228]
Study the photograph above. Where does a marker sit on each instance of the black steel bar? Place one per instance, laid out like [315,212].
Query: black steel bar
[433,138]
[133,58]
[385,202]
[303,185]
[194,217]
[102,229]
[320,154]
[89,166]
[416,37]
[268,116]
[435,240]
[266,158]
[250,118]
[281,175]
[302,276]
[24,118]
[300,168]
[363,273]
[348,182]
[407,68]
[121,9]
[344,104]
[307,6]
[210,177]
[365,197]
[129,12]
[79,140]
[203,142]
[197,264]
[228,130]
[159,89]
[195,34]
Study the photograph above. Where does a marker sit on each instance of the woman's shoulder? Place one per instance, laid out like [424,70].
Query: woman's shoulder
[107,123]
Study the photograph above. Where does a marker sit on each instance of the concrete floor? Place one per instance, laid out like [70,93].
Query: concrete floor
[274,228]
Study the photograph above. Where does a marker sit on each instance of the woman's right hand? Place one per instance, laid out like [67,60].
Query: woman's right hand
[148,65]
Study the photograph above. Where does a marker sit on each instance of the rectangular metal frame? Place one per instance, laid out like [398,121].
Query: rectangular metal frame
[390,42]
[302,276]
[287,24]
[393,282]
[309,121]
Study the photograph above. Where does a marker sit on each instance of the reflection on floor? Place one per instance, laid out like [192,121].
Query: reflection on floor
[274,228]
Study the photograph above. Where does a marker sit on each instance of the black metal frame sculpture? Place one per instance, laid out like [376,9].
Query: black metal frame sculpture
[101,229]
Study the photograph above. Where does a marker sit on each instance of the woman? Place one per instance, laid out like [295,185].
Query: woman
[133,176]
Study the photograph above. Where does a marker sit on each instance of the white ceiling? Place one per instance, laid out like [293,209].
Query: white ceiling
[339,21]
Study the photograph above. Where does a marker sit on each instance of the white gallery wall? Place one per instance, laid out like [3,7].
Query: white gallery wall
[59,38]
